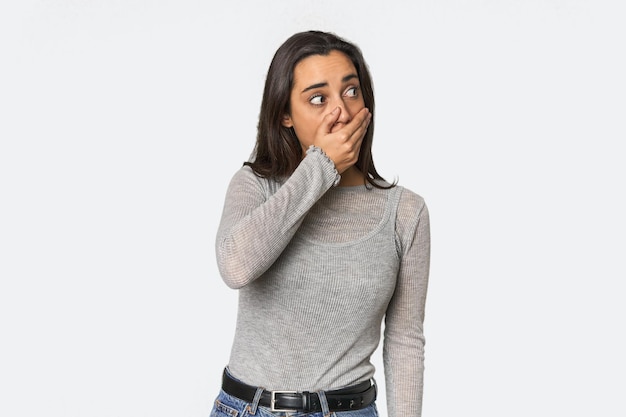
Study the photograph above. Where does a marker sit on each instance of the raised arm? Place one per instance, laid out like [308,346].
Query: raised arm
[260,217]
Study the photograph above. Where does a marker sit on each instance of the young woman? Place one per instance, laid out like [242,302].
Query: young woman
[321,249]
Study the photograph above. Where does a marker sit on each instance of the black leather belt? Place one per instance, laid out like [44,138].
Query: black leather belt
[344,399]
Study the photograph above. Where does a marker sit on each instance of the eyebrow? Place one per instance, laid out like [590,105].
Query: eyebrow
[324,84]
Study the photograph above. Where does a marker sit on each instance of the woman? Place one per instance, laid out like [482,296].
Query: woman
[321,249]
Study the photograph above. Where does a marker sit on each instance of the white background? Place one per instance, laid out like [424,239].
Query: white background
[121,123]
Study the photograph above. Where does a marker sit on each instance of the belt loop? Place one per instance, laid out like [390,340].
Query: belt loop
[306,401]
[324,403]
[375,389]
[255,402]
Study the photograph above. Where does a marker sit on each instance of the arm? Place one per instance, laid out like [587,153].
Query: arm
[403,349]
[256,226]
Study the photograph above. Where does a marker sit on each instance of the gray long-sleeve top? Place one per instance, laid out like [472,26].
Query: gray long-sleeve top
[318,269]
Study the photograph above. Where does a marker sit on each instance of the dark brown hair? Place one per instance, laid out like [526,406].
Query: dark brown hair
[276,153]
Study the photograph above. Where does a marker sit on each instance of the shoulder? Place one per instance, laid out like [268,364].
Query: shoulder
[410,202]
[245,174]
[412,210]
[246,180]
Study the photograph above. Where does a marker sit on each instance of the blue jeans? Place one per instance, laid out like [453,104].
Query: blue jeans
[228,406]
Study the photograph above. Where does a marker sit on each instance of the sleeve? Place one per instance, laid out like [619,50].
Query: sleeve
[255,226]
[403,345]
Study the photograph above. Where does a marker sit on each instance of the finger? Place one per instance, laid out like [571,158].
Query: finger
[360,119]
[330,119]
[362,115]
[360,127]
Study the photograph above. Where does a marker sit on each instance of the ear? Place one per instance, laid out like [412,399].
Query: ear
[287,122]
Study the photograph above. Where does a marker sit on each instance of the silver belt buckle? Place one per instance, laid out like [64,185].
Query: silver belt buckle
[273,400]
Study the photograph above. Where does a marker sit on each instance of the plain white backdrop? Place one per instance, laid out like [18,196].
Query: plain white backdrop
[121,123]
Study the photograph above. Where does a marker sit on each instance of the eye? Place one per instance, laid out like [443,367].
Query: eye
[317,100]
[352,92]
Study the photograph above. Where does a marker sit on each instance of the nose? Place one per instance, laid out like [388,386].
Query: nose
[345,115]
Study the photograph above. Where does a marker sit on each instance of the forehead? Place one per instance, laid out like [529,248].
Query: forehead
[323,68]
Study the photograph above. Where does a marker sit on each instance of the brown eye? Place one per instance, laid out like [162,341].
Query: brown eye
[317,100]
[352,91]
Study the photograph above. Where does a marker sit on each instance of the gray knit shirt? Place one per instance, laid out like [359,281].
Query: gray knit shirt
[318,269]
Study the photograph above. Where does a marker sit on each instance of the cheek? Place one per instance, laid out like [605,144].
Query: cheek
[357,105]
[307,121]
[305,130]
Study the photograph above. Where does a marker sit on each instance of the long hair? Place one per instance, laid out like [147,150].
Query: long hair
[276,153]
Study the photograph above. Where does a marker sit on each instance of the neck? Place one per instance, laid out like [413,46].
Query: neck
[351,177]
